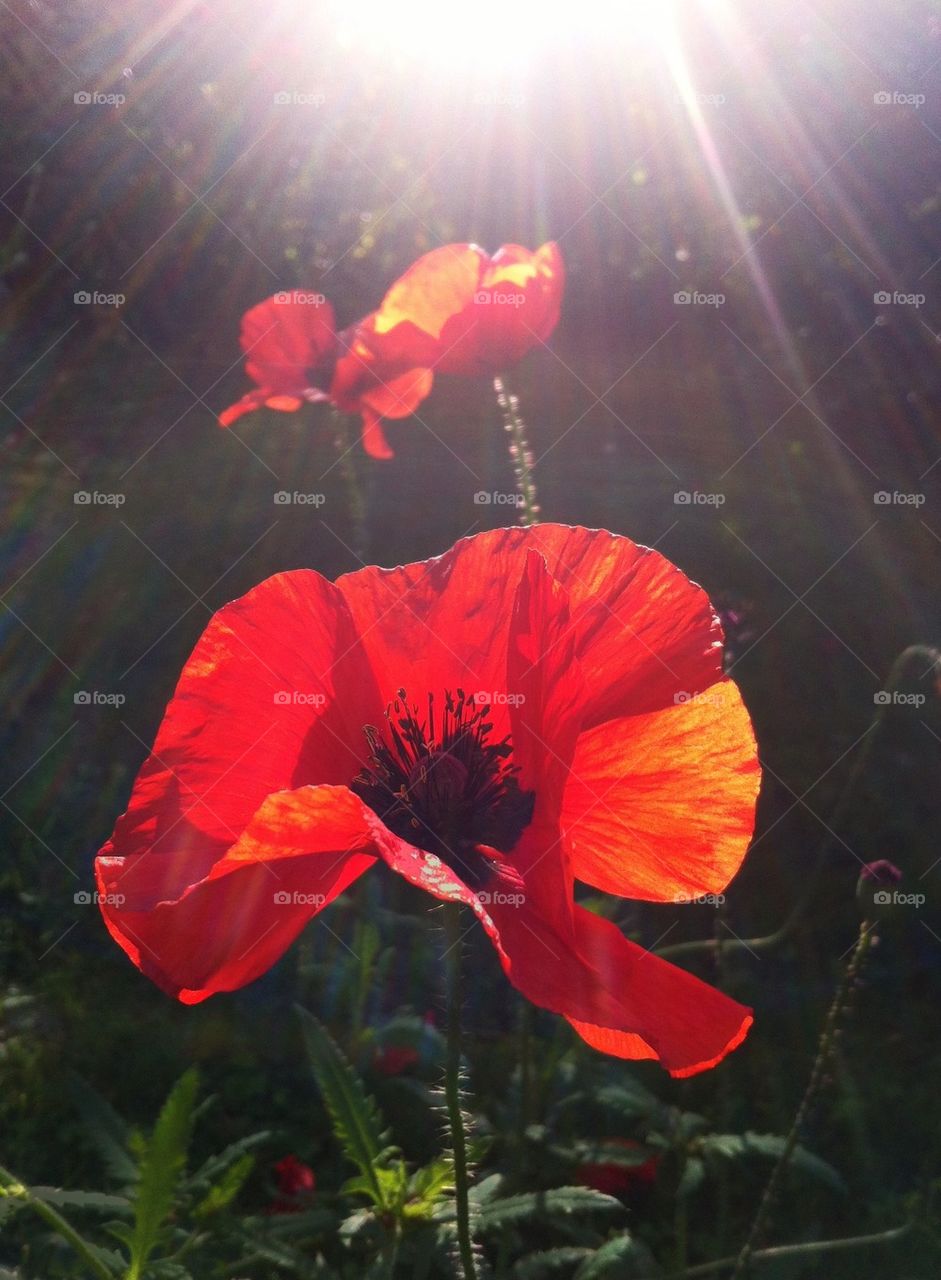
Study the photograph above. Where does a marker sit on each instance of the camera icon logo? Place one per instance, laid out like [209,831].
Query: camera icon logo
[82,498]
[282,899]
[882,99]
[682,498]
[82,898]
[882,897]
[882,699]
[482,297]
[683,298]
[482,499]
[282,498]
[282,99]
[882,498]
[82,698]
[82,98]
[882,298]
[681,697]
[82,298]
[282,698]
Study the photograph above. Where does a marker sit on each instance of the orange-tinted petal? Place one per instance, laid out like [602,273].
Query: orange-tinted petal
[661,806]
[286,338]
[618,996]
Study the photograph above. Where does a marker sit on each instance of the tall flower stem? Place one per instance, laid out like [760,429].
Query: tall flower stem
[452,1088]
[824,1052]
[521,456]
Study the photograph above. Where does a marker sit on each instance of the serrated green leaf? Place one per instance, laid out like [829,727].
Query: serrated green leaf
[105,1129]
[82,1199]
[217,1165]
[734,1146]
[357,1122]
[428,1186]
[536,1205]
[549,1262]
[618,1259]
[226,1189]
[161,1170]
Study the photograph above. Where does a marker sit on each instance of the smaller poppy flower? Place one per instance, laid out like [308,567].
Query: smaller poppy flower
[296,1183]
[460,311]
[636,1173]
[394,1059]
[456,310]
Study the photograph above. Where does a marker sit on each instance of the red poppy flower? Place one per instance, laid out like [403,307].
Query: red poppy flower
[537,706]
[621,1179]
[456,310]
[296,1183]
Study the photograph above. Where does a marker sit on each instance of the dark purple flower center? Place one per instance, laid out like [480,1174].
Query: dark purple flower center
[446,787]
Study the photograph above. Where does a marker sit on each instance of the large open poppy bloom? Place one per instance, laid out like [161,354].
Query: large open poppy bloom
[537,706]
[456,310]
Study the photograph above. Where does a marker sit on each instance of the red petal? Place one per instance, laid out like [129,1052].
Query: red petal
[224,929]
[620,998]
[662,806]
[273,697]
[286,338]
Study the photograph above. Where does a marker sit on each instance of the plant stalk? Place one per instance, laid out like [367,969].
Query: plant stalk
[452,914]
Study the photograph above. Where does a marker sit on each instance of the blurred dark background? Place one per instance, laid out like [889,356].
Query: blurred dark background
[784,160]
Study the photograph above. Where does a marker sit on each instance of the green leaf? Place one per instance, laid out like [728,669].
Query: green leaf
[81,1199]
[537,1205]
[161,1169]
[226,1189]
[428,1187]
[219,1164]
[735,1146]
[618,1259]
[536,1266]
[356,1120]
[692,1177]
[106,1130]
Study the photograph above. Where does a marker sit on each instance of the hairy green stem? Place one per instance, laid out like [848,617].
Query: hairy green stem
[521,457]
[824,1051]
[452,1087]
[12,1187]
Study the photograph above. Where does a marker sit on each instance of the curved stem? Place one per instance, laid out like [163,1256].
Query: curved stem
[521,456]
[452,1086]
[11,1186]
[824,1050]
[807,1249]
